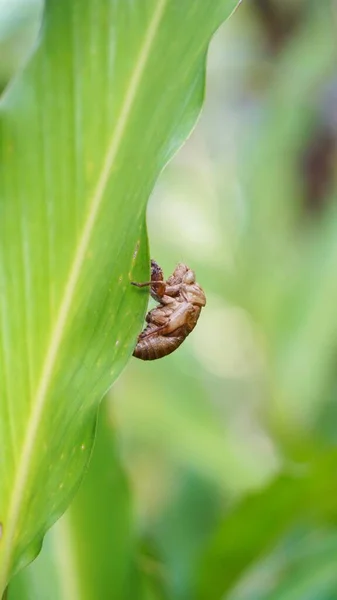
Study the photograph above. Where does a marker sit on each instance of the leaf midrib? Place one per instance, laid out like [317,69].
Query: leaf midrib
[68,295]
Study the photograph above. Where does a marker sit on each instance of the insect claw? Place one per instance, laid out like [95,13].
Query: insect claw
[141,284]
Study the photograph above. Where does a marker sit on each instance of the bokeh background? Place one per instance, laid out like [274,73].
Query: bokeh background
[225,452]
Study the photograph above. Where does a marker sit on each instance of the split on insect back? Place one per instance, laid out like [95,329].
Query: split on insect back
[180,300]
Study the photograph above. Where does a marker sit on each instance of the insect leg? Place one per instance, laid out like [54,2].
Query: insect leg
[157,283]
[145,283]
[183,315]
[172,290]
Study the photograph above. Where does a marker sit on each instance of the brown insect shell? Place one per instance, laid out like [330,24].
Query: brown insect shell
[189,289]
[180,288]
[193,294]
[157,347]
[157,276]
[178,274]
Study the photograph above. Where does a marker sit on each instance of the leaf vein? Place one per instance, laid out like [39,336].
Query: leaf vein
[61,320]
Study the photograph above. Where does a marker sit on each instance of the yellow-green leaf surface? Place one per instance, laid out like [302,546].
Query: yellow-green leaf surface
[91,550]
[111,91]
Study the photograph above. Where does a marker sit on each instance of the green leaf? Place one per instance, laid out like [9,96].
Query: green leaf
[245,533]
[311,574]
[254,526]
[183,531]
[112,90]
[89,553]
[301,567]
[19,24]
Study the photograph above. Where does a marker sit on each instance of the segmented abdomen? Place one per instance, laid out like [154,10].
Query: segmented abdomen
[151,348]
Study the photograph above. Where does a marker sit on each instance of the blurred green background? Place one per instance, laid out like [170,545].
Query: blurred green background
[215,471]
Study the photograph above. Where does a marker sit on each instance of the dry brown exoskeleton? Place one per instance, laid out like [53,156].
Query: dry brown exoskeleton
[180,301]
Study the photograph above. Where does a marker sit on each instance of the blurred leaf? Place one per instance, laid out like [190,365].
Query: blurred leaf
[182,540]
[84,133]
[247,532]
[299,568]
[19,23]
[256,525]
[283,252]
[101,520]
[311,574]
[150,572]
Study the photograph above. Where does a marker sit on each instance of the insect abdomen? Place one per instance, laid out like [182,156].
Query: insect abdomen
[156,347]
